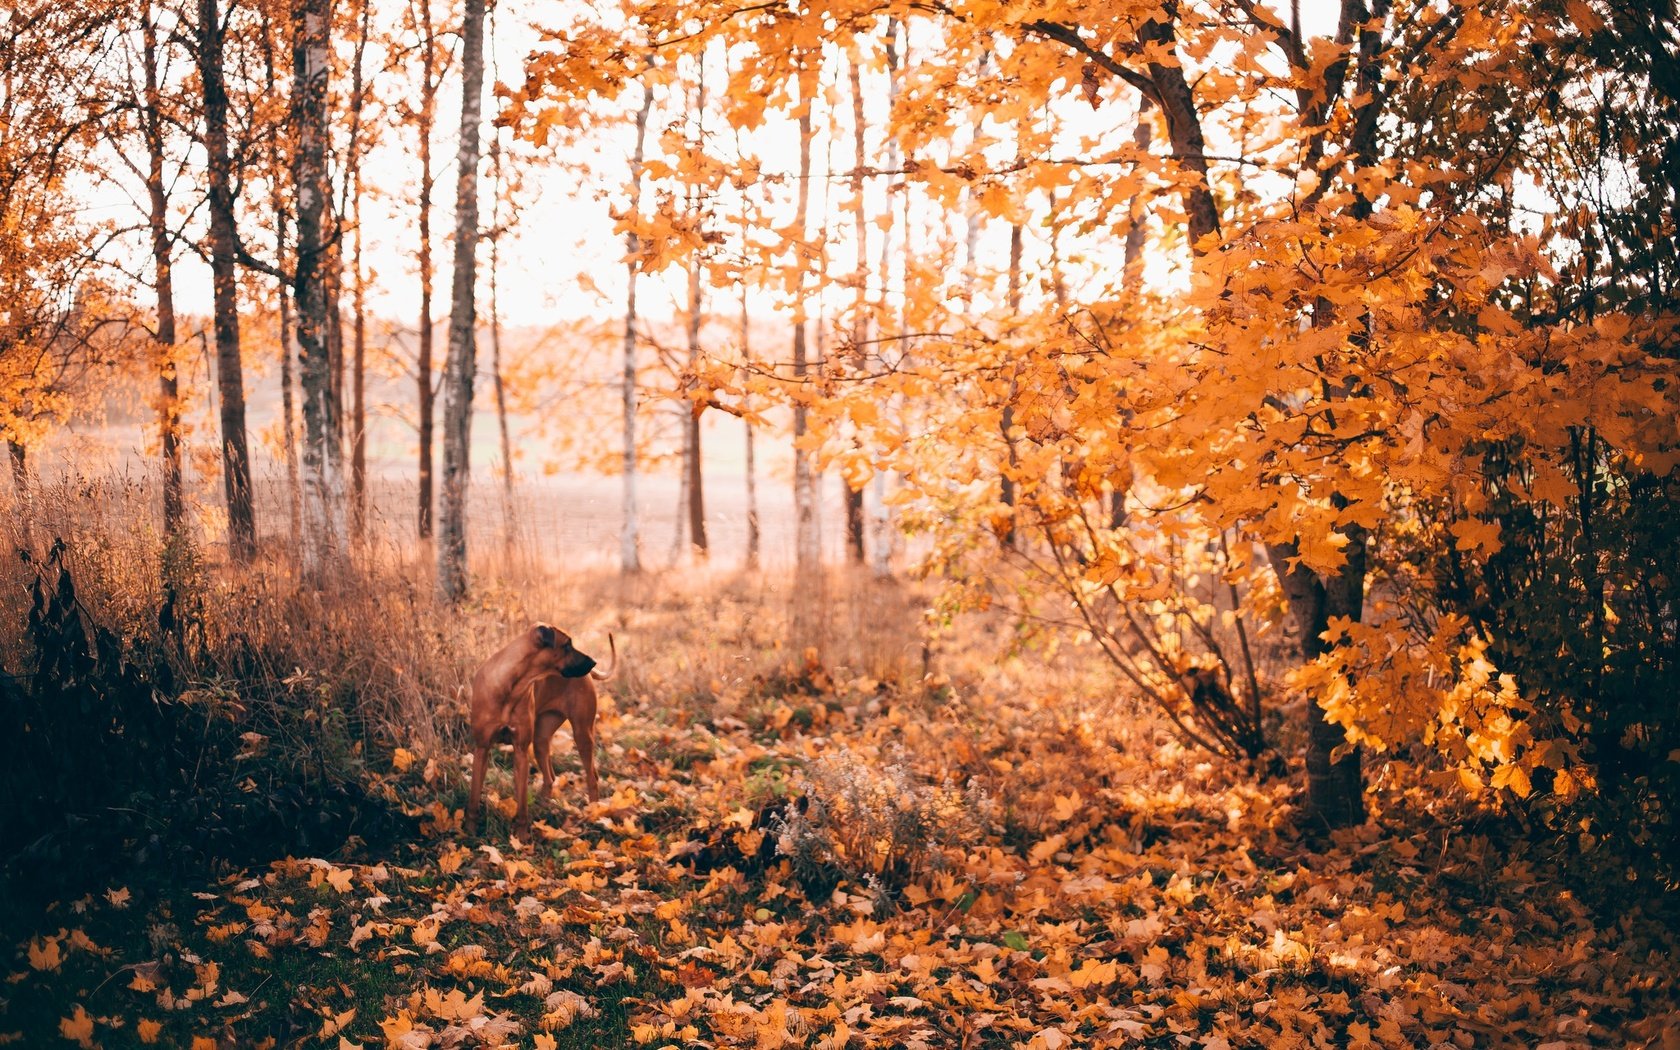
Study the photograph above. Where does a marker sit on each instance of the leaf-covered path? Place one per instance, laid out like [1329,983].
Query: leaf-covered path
[968,869]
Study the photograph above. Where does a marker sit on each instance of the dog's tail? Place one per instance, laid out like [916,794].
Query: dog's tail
[603,676]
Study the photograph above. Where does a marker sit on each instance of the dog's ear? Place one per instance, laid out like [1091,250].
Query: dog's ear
[545,636]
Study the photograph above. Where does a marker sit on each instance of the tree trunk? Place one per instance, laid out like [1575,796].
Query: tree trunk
[1132,281]
[754,539]
[458,370]
[630,551]
[694,484]
[169,390]
[358,379]
[423,365]
[974,221]
[323,450]
[496,340]
[332,272]
[853,497]
[1006,421]
[881,542]
[694,487]
[277,170]
[288,383]
[25,514]
[807,542]
[224,260]
[358,301]
[20,469]
[1335,788]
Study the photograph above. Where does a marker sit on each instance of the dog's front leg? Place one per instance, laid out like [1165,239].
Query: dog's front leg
[475,798]
[522,781]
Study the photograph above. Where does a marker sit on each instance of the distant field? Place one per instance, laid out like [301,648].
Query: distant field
[577,513]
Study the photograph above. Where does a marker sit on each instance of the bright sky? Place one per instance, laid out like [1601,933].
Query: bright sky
[564,232]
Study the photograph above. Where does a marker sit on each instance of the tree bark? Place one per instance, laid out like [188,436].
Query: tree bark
[630,549]
[807,542]
[358,379]
[288,382]
[1335,788]
[423,366]
[496,339]
[323,450]
[882,539]
[224,260]
[169,389]
[694,485]
[19,456]
[1006,420]
[358,301]
[459,368]
[754,540]
[1132,282]
[750,432]
[332,272]
[283,296]
[853,497]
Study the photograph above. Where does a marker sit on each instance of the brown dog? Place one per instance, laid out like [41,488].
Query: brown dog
[520,695]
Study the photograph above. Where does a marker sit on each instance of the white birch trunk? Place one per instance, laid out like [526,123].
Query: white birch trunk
[630,552]
[323,449]
[881,539]
[807,541]
[460,366]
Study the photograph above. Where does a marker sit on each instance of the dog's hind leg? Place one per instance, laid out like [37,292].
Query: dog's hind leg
[583,735]
[543,744]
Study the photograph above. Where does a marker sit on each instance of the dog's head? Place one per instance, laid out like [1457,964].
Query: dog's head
[556,647]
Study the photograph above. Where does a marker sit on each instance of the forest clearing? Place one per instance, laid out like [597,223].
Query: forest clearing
[792,854]
[1043,525]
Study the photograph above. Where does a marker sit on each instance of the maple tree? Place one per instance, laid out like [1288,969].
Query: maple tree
[65,328]
[1280,392]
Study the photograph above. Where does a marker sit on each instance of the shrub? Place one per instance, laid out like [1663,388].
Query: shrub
[878,825]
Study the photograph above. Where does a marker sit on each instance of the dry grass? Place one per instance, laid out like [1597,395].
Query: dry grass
[378,647]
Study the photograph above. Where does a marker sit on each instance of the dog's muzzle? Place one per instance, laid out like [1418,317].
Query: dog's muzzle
[578,668]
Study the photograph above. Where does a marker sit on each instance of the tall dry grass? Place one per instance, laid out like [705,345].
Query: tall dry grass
[295,687]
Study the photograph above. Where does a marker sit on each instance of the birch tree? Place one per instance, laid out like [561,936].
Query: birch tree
[807,540]
[852,488]
[459,367]
[694,476]
[630,557]
[323,450]
[275,37]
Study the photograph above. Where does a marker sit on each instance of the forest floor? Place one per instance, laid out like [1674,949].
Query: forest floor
[984,855]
